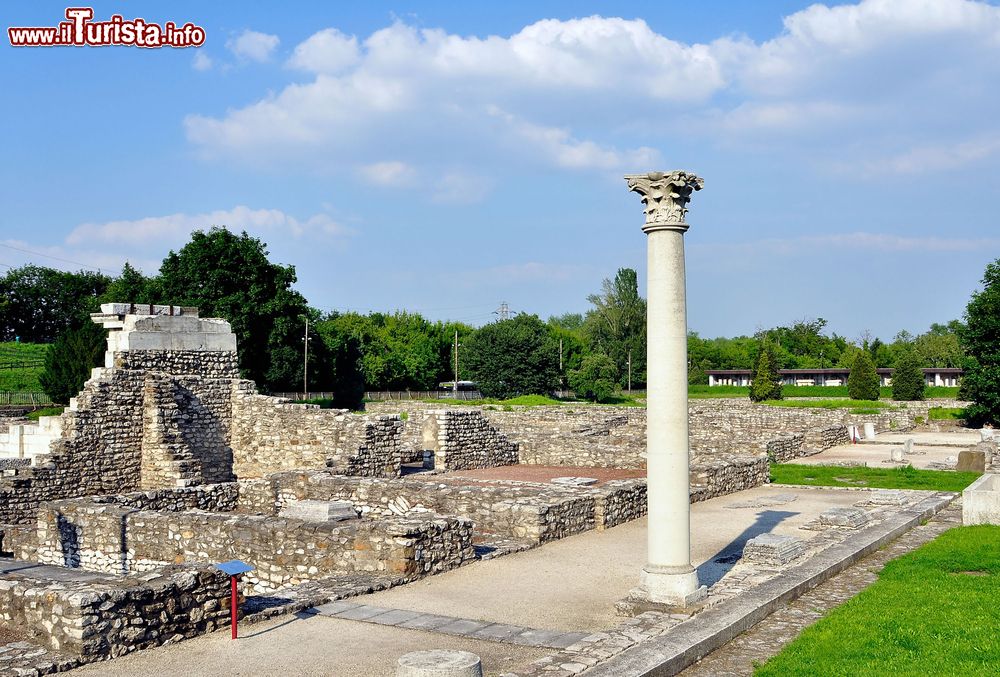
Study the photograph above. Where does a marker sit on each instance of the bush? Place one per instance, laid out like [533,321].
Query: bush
[596,379]
[766,382]
[981,340]
[69,361]
[863,381]
[908,378]
[513,357]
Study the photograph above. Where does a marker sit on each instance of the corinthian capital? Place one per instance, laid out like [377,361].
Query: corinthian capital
[665,195]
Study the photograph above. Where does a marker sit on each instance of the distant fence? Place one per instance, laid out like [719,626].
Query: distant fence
[24,399]
[24,364]
[317,395]
[424,395]
[392,395]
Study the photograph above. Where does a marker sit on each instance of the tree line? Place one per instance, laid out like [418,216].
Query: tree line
[596,353]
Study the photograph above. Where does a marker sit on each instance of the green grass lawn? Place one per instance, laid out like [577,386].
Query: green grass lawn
[21,379]
[946,413]
[934,611]
[881,478]
[44,411]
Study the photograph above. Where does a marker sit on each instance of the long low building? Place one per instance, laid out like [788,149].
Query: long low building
[933,376]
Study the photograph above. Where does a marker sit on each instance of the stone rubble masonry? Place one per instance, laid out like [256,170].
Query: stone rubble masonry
[169,410]
[464,439]
[97,620]
[272,434]
[118,535]
[732,430]
[521,510]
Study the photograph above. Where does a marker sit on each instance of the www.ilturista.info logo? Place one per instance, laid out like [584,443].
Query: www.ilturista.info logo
[80,31]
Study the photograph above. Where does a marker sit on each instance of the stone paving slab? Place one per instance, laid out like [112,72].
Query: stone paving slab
[450,625]
[671,652]
[770,636]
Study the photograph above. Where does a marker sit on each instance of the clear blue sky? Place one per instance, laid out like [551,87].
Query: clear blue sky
[444,157]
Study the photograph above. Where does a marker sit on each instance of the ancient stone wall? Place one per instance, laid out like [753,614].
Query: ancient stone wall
[600,436]
[109,537]
[96,620]
[186,423]
[272,434]
[464,439]
[523,510]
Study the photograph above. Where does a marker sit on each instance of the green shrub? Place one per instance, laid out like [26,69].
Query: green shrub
[908,378]
[69,361]
[596,379]
[766,383]
[863,382]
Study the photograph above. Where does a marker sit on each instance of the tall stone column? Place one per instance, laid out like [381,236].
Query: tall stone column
[668,576]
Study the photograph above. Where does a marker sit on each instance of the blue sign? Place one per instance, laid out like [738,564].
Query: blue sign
[234,567]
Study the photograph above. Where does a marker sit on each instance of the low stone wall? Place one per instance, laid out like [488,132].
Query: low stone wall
[615,437]
[97,620]
[462,440]
[272,434]
[523,510]
[721,474]
[109,537]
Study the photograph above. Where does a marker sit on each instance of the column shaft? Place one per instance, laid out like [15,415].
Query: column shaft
[667,464]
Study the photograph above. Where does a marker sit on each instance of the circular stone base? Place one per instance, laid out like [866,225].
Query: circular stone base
[439,663]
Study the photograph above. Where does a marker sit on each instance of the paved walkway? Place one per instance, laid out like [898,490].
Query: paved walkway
[767,638]
[546,597]
[449,625]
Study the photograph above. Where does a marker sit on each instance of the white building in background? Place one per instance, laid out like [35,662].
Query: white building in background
[933,376]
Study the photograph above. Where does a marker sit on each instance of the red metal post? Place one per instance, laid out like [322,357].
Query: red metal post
[234,604]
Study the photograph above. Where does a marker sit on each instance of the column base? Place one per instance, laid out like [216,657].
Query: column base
[675,586]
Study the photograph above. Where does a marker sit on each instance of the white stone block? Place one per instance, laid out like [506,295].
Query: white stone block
[981,501]
[320,511]
[869,431]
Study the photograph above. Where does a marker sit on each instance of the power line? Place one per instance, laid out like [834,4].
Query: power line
[56,258]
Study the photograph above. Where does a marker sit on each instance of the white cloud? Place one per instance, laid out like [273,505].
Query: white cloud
[857,242]
[253,46]
[201,61]
[391,172]
[927,158]
[461,187]
[604,93]
[175,228]
[328,51]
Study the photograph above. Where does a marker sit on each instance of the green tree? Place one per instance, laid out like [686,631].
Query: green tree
[616,326]
[941,345]
[907,376]
[344,348]
[37,304]
[863,381]
[129,287]
[230,276]
[766,383]
[981,340]
[513,357]
[69,360]
[596,379]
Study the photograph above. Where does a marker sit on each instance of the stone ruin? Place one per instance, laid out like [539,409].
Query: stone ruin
[167,462]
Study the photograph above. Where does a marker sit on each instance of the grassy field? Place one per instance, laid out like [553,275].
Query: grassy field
[881,478]
[21,378]
[45,411]
[696,392]
[934,611]
[946,413]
